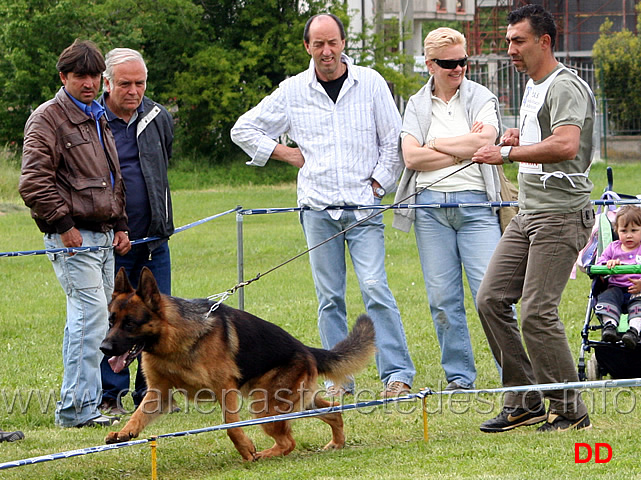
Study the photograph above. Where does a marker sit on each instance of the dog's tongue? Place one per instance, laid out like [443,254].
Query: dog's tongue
[118,363]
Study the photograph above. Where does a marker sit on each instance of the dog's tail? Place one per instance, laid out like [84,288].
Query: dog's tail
[350,355]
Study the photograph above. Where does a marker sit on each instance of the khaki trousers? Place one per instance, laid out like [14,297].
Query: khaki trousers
[532,263]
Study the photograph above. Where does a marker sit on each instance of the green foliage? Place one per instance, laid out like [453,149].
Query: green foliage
[10,168]
[35,32]
[396,67]
[166,32]
[31,38]
[617,56]
[206,103]
[248,58]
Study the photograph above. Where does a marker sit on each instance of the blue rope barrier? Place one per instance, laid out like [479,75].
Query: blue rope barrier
[99,248]
[190,225]
[633,382]
[259,211]
[28,253]
[627,382]
[68,454]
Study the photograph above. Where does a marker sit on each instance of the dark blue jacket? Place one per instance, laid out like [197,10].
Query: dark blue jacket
[155,133]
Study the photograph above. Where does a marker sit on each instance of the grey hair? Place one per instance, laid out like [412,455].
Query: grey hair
[118,56]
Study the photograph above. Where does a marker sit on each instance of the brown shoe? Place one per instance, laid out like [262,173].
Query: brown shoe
[111,407]
[395,389]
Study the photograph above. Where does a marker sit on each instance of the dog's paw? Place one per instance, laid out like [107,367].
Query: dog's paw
[117,437]
[249,455]
[333,446]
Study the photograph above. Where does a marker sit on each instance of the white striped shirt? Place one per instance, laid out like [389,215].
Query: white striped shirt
[345,144]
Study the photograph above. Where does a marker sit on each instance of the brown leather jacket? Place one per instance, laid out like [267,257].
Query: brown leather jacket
[65,176]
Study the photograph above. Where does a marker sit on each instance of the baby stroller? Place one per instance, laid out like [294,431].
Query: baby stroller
[608,358]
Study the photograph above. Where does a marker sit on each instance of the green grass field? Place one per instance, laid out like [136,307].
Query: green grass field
[386,442]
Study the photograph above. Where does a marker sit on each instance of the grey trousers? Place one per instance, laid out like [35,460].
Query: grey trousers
[532,263]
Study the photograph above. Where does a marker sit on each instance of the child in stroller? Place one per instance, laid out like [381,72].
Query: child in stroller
[613,359]
[624,290]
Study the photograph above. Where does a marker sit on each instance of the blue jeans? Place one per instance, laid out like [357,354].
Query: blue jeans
[367,250]
[87,279]
[448,238]
[116,385]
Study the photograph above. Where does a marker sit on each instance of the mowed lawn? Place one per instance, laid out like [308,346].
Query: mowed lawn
[384,442]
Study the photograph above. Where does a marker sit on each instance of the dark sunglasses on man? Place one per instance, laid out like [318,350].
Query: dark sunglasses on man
[450,64]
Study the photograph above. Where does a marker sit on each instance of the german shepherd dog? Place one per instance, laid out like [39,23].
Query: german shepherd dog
[187,345]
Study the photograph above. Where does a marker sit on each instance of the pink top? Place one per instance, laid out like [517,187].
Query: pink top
[614,251]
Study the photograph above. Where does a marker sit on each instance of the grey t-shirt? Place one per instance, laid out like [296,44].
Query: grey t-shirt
[567,102]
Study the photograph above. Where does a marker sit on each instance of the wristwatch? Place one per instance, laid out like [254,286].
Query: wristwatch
[505,154]
[379,192]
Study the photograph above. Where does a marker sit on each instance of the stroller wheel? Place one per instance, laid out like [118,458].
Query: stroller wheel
[594,373]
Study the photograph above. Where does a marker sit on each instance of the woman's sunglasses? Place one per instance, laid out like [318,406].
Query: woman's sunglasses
[450,64]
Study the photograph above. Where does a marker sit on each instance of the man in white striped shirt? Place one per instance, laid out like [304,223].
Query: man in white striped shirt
[346,128]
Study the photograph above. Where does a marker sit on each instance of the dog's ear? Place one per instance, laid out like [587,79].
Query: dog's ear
[148,289]
[121,284]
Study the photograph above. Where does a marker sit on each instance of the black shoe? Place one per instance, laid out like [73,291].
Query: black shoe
[609,333]
[512,417]
[11,436]
[557,423]
[630,338]
[101,421]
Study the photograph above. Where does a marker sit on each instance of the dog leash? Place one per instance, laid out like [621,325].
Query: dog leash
[221,297]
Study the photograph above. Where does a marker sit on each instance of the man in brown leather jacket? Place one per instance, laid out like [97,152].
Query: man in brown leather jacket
[71,181]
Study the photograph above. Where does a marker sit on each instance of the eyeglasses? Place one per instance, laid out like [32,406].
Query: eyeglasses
[450,64]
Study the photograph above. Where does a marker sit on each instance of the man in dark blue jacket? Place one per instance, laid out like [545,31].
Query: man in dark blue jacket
[143,131]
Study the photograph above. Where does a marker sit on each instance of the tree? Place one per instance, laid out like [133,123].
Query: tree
[31,38]
[258,44]
[34,32]
[386,58]
[617,56]
[166,32]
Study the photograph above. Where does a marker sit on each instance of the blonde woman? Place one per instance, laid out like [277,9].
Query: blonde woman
[444,124]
